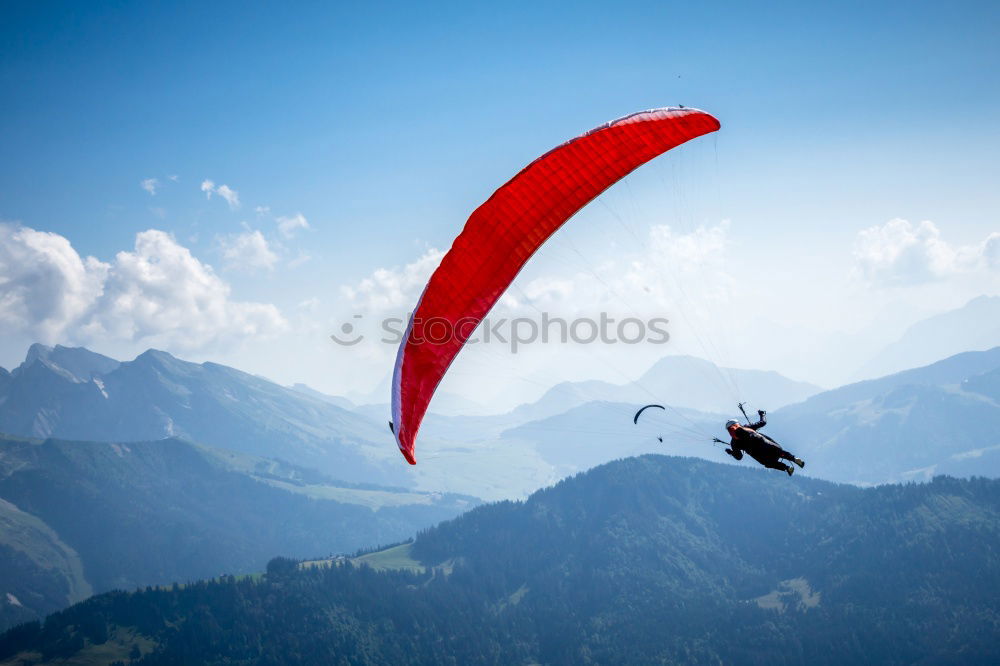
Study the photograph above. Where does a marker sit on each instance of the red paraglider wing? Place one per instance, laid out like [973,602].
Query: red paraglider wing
[503,233]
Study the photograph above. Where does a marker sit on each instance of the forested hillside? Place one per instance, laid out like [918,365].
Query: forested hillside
[644,560]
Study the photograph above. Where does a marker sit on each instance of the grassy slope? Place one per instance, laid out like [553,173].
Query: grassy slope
[40,572]
[397,558]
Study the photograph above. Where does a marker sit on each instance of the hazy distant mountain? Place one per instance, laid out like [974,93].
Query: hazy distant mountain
[567,395]
[939,419]
[445,403]
[77,516]
[685,381]
[343,403]
[681,381]
[597,432]
[952,370]
[646,560]
[986,384]
[76,394]
[973,327]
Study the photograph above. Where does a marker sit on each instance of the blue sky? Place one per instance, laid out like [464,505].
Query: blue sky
[385,124]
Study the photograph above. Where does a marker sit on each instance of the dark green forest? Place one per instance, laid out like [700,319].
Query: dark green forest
[643,560]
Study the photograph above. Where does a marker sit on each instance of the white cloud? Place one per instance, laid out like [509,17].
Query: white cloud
[548,290]
[301,258]
[991,251]
[150,185]
[262,210]
[174,177]
[159,294]
[901,253]
[288,225]
[390,288]
[674,262]
[248,251]
[45,286]
[230,195]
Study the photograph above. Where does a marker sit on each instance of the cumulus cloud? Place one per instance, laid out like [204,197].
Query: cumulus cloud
[227,193]
[288,225]
[150,185]
[248,251]
[901,253]
[45,285]
[162,293]
[696,258]
[158,293]
[391,288]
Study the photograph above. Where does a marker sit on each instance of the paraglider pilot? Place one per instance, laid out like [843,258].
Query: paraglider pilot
[760,447]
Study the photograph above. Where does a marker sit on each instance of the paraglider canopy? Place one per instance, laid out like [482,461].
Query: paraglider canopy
[504,232]
[635,419]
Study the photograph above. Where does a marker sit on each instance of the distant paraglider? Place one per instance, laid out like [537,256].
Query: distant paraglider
[504,232]
[635,419]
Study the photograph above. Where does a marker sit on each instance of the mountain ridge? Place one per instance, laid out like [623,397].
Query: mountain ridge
[973,327]
[681,381]
[157,395]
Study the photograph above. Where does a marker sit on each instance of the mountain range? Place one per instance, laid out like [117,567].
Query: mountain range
[681,381]
[72,393]
[912,425]
[935,419]
[973,327]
